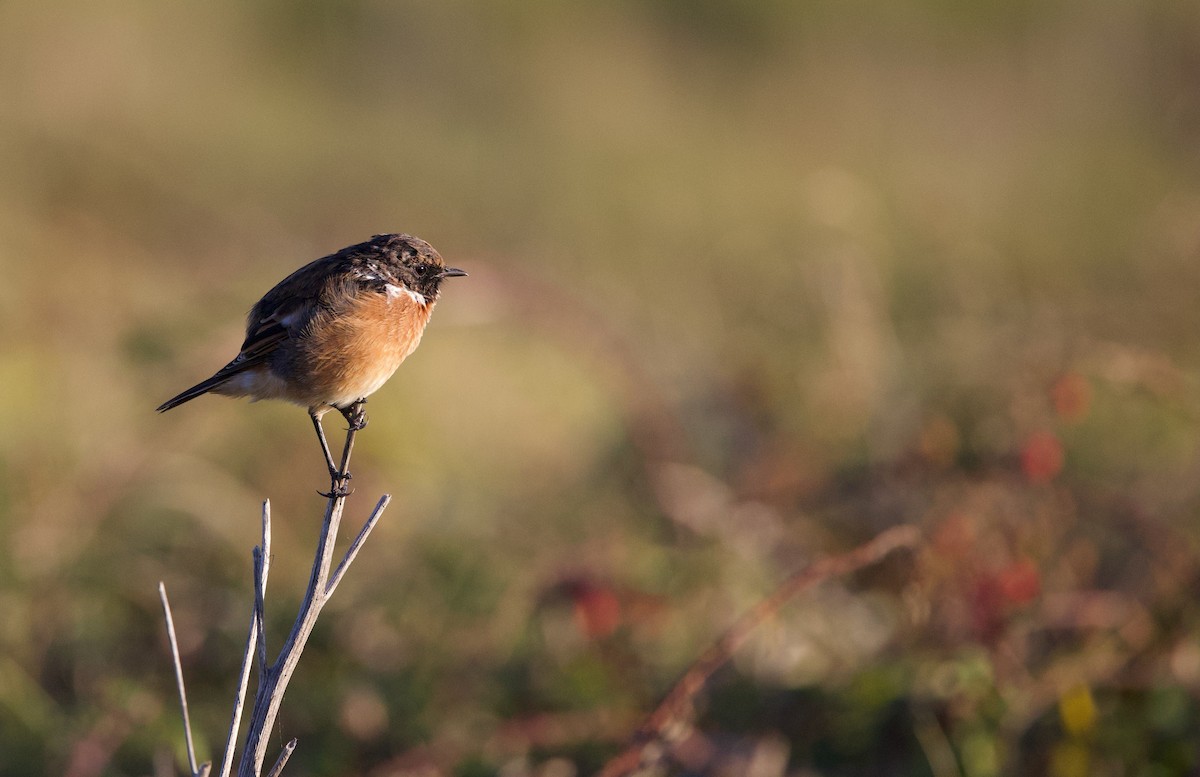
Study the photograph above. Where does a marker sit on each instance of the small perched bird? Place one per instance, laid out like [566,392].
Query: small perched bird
[331,333]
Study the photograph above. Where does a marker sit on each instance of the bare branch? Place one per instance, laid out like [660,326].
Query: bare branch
[266,542]
[254,638]
[648,745]
[187,723]
[260,569]
[277,769]
[352,551]
[239,700]
[273,682]
[274,679]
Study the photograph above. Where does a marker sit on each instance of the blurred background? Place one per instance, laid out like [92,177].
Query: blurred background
[751,281]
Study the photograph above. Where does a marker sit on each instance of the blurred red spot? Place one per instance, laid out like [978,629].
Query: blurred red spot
[1042,457]
[995,595]
[1020,581]
[1072,397]
[597,610]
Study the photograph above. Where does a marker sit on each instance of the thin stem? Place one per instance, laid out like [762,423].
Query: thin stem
[262,568]
[187,723]
[239,700]
[260,607]
[283,759]
[254,638]
[266,542]
[352,551]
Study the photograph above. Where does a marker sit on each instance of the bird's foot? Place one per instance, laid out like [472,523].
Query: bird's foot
[339,485]
[355,415]
[338,491]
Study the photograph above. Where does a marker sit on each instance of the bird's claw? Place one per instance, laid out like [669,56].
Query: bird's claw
[355,415]
[337,491]
[339,485]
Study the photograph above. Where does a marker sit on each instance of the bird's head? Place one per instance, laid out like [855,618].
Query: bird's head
[415,263]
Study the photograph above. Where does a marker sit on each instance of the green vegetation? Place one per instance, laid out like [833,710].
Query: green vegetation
[750,282]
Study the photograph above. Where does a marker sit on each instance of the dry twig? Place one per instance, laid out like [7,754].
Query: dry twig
[669,721]
[273,677]
[277,769]
[195,770]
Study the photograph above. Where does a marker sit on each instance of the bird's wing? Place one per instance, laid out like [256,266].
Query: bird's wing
[282,314]
[285,310]
[266,332]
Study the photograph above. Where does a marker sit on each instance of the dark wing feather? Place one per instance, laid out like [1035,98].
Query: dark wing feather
[285,310]
[280,315]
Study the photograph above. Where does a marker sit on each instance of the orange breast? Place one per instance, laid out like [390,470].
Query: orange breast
[352,353]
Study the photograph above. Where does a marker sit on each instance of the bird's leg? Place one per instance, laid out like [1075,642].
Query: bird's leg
[316,419]
[337,478]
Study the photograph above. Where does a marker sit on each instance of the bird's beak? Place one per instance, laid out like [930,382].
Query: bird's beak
[453,272]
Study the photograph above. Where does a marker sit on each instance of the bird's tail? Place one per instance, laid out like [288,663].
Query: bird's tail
[203,387]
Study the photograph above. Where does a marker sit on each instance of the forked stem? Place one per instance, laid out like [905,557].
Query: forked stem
[274,679]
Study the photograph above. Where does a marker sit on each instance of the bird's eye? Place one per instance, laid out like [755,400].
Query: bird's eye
[421,269]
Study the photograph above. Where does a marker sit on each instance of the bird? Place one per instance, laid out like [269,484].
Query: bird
[333,332]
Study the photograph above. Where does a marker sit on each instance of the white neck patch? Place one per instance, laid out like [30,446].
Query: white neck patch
[394,291]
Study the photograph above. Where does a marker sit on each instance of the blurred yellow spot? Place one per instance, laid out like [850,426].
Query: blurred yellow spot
[1069,759]
[1077,709]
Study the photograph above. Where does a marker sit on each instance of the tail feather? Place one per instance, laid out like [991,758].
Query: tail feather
[203,387]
